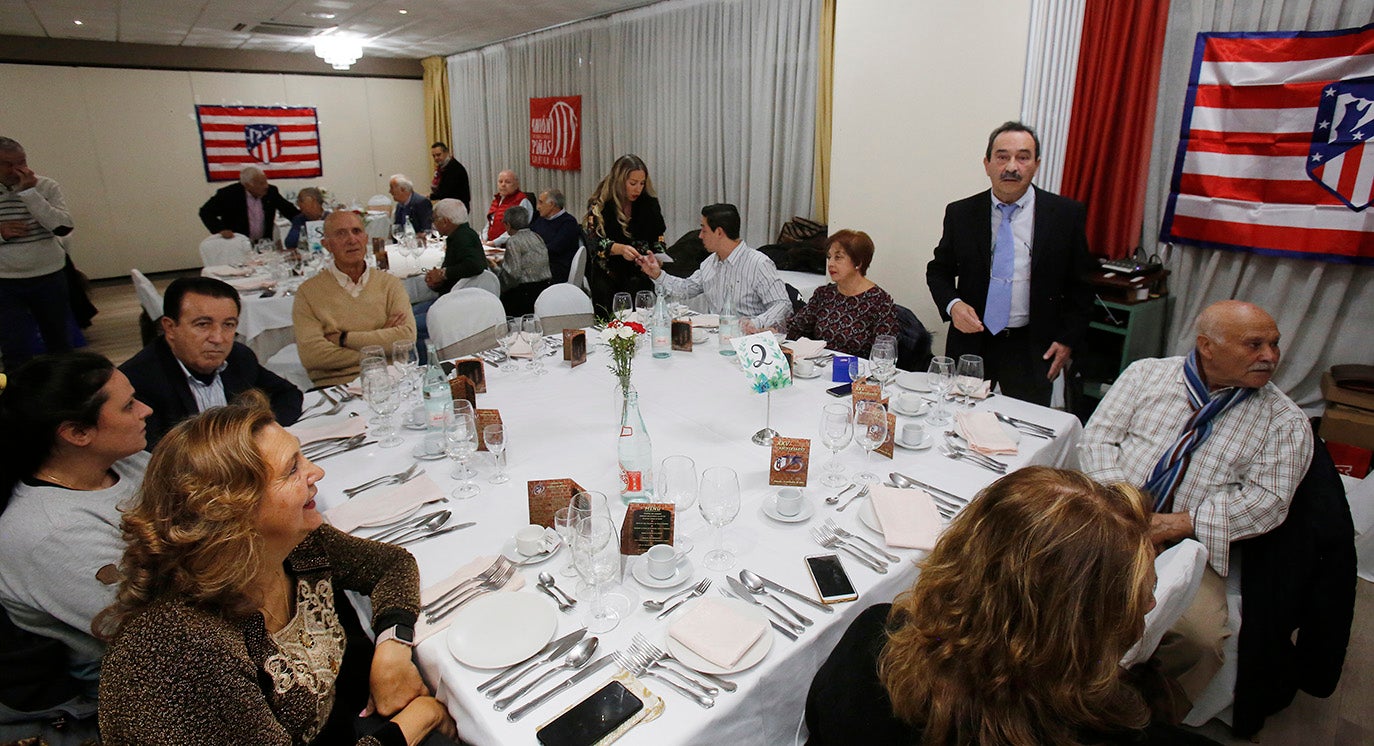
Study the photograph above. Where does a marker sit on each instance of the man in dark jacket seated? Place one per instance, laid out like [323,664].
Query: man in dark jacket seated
[196,364]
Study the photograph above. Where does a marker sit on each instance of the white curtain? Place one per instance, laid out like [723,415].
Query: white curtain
[1324,310]
[1051,71]
[717,96]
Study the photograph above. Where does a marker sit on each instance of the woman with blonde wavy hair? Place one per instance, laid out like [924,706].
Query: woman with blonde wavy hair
[623,223]
[1013,631]
[225,627]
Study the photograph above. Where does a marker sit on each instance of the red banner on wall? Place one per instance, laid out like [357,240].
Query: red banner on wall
[556,133]
[284,141]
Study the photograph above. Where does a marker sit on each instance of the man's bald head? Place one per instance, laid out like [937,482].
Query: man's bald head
[1237,344]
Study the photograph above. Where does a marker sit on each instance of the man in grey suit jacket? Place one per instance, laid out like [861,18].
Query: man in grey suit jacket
[1045,274]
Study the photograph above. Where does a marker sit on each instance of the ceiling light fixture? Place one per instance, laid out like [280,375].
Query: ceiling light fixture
[79,23]
[402,12]
[339,51]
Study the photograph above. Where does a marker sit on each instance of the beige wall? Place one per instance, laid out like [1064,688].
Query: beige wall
[123,144]
[918,87]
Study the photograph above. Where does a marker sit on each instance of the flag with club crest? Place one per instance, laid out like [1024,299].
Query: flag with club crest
[1274,153]
[284,141]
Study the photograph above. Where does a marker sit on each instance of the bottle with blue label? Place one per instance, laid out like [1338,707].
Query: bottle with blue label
[635,453]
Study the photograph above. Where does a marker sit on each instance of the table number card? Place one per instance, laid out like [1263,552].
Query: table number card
[682,335]
[574,347]
[791,460]
[548,496]
[865,390]
[763,362]
[475,371]
[645,525]
[460,387]
[485,417]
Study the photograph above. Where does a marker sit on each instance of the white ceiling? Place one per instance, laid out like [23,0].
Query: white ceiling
[427,27]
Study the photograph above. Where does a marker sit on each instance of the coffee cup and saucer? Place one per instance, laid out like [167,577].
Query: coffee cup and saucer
[532,545]
[913,437]
[908,404]
[789,505]
[662,567]
[804,368]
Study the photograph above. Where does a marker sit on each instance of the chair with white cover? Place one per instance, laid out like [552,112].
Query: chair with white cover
[218,250]
[564,306]
[577,277]
[486,281]
[1178,570]
[464,321]
[287,364]
[151,302]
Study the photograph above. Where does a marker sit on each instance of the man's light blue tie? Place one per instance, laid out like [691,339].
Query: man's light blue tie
[998,310]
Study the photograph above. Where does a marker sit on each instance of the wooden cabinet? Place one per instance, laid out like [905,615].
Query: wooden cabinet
[1118,335]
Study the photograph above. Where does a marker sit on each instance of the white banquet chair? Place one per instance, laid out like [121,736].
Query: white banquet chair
[216,250]
[577,277]
[287,364]
[151,302]
[564,306]
[486,281]
[1178,573]
[464,321]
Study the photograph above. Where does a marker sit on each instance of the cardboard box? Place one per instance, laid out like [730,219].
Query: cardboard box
[1347,397]
[1351,461]
[1348,425]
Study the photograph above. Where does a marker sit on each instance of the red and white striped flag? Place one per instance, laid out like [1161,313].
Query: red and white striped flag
[284,141]
[1274,155]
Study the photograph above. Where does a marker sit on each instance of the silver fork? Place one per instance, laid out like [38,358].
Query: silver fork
[655,662]
[843,534]
[661,654]
[496,583]
[826,531]
[959,455]
[639,668]
[398,478]
[343,393]
[337,408]
[951,440]
[697,590]
[851,500]
[831,541]
[497,564]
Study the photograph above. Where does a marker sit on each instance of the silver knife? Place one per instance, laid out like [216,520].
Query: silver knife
[743,592]
[510,675]
[936,490]
[344,450]
[440,532]
[784,589]
[575,679]
[785,631]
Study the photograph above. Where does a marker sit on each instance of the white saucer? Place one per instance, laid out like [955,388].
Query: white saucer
[508,549]
[640,572]
[770,509]
[418,453]
[815,373]
[914,382]
[918,412]
[927,442]
[751,657]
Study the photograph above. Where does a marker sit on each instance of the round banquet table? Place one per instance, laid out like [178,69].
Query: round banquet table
[565,424]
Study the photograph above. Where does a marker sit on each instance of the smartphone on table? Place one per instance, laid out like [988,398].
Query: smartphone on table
[844,389]
[831,581]
[593,718]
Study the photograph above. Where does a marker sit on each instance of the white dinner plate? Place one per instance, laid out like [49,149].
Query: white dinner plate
[770,509]
[869,517]
[914,382]
[496,630]
[751,656]
[682,574]
[399,515]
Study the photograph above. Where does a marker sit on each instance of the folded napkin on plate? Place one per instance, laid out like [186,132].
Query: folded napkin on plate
[251,283]
[227,270]
[708,320]
[521,347]
[376,507]
[983,391]
[472,569]
[908,517]
[803,348]
[313,430]
[984,433]
[716,632]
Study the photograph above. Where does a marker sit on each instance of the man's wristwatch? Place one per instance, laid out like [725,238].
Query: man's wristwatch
[343,339]
[402,633]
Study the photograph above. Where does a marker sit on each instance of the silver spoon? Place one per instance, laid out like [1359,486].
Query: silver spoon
[576,658]
[547,581]
[835,498]
[755,585]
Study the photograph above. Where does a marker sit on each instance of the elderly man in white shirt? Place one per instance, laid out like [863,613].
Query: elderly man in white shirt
[735,277]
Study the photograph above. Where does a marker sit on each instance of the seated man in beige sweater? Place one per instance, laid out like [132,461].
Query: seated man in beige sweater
[347,306]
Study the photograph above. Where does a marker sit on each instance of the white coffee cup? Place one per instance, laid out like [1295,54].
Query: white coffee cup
[909,402]
[789,501]
[529,540]
[804,368]
[700,335]
[913,434]
[661,561]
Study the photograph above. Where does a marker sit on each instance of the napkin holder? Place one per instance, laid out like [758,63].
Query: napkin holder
[460,387]
[548,496]
[866,390]
[574,347]
[645,525]
[791,459]
[682,335]
[485,417]
[475,371]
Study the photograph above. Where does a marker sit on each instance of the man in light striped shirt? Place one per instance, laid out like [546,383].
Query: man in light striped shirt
[736,277]
[32,287]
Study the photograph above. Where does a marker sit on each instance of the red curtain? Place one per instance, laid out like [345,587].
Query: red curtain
[1110,129]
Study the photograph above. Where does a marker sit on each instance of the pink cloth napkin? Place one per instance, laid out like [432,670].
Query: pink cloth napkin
[521,347]
[716,632]
[804,348]
[472,569]
[908,517]
[383,504]
[226,270]
[982,393]
[313,430]
[706,320]
[251,283]
[984,433]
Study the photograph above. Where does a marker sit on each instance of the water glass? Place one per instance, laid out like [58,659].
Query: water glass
[719,502]
[460,434]
[534,332]
[563,520]
[644,305]
[883,358]
[940,376]
[404,354]
[969,376]
[508,335]
[380,392]
[837,430]
[677,484]
[870,429]
[596,557]
[621,304]
[494,436]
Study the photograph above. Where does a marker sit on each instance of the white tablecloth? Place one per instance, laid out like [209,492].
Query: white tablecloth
[565,425]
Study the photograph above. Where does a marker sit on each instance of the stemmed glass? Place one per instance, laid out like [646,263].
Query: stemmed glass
[941,379]
[494,436]
[596,557]
[563,520]
[870,429]
[508,335]
[644,305]
[883,358]
[379,389]
[398,234]
[719,502]
[534,332]
[407,361]
[621,304]
[677,484]
[460,433]
[837,430]
[970,377]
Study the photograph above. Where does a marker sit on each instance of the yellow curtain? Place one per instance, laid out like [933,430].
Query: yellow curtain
[825,74]
[437,127]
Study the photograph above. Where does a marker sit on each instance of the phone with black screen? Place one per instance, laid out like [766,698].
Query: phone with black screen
[593,718]
[831,581]
[844,389]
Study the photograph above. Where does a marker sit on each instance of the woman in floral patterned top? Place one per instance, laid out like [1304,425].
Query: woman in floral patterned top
[853,311]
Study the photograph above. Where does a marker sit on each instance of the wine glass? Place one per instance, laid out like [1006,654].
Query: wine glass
[970,377]
[404,354]
[534,332]
[398,235]
[644,305]
[719,503]
[509,334]
[563,520]
[883,358]
[494,436]
[621,304]
[460,433]
[870,430]
[837,430]
[940,377]
[677,484]
[379,390]
[596,557]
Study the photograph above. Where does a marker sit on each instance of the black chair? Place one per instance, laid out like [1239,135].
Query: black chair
[913,341]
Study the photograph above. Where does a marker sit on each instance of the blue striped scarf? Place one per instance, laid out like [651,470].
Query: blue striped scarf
[1170,468]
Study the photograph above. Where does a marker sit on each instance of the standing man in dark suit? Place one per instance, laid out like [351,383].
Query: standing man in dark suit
[1013,280]
[560,231]
[196,364]
[248,208]
[450,178]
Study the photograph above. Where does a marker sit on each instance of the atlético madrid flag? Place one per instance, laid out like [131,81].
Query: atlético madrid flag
[1275,155]
[284,141]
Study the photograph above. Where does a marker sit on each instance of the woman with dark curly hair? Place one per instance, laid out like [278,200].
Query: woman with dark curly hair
[1013,632]
[623,222]
[225,628]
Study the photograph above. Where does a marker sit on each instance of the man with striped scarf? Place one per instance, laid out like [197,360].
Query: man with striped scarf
[1219,447]
[32,286]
